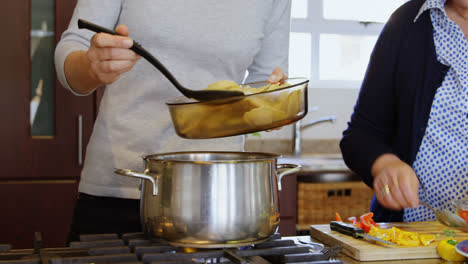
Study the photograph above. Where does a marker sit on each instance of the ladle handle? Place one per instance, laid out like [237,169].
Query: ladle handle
[138,49]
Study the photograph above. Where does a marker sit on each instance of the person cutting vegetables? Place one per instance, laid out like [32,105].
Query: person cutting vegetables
[407,137]
[200,42]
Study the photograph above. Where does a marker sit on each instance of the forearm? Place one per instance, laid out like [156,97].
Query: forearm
[78,73]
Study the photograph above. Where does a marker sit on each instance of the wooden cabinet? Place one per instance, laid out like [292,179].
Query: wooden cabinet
[38,177]
[309,198]
[287,205]
[317,202]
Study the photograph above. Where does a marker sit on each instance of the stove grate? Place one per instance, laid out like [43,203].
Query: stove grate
[133,248]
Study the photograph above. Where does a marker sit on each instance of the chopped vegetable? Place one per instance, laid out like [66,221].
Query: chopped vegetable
[367,222]
[395,235]
[446,250]
[406,238]
[426,239]
[449,233]
[463,214]
[355,222]
[338,217]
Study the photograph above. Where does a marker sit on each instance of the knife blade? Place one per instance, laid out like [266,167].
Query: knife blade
[356,232]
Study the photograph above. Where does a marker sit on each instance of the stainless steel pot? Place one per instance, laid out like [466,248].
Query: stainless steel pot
[210,199]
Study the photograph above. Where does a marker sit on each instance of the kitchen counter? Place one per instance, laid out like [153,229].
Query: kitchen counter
[317,162]
[347,260]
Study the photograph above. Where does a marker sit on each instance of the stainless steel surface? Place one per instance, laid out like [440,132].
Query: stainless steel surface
[317,247]
[377,239]
[287,169]
[448,218]
[327,177]
[444,216]
[297,134]
[331,252]
[318,163]
[210,199]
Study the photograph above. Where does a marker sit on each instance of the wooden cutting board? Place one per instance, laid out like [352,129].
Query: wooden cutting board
[362,250]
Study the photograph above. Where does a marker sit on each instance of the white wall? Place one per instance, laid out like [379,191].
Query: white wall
[338,102]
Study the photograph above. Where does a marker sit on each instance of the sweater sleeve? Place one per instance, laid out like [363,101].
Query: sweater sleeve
[102,12]
[275,44]
[371,129]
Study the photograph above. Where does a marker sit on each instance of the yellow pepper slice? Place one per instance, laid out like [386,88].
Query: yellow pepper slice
[401,237]
[406,238]
[426,239]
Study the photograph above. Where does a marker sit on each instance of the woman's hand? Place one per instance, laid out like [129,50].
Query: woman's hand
[277,76]
[107,58]
[395,183]
[109,55]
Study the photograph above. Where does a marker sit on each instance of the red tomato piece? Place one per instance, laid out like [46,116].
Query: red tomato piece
[463,214]
[338,217]
[355,222]
[367,222]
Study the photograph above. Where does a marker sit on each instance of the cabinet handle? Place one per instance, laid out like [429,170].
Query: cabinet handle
[80,140]
[38,33]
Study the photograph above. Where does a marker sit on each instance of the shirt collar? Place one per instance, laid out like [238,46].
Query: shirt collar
[431,4]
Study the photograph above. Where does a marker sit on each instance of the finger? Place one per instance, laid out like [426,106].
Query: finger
[277,75]
[391,203]
[384,192]
[397,197]
[112,66]
[122,30]
[409,195]
[395,189]
[409,189]
[107,78]
[387,198]
[111,54]
[104,40]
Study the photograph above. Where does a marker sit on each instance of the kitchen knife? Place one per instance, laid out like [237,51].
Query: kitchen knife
[356,232]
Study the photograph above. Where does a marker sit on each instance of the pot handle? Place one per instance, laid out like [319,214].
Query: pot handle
[291,169]
[136,174]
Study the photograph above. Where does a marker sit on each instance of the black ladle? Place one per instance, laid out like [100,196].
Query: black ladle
[202,95]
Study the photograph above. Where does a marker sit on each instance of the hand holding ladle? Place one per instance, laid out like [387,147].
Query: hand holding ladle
[200,95]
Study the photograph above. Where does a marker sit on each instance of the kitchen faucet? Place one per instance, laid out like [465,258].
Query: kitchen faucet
[298,128]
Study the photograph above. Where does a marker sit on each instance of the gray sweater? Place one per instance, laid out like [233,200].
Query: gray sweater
[200,42]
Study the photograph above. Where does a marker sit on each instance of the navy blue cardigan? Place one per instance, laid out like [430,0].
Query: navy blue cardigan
[392,110]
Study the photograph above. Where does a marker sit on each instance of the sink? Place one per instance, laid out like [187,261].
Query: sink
[317,162]
[321,168]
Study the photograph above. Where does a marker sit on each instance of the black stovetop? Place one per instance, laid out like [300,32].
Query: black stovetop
[134,248]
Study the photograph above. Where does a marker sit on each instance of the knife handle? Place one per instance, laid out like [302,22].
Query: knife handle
[347,229]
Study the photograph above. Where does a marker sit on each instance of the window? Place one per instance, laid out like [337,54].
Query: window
[331,40]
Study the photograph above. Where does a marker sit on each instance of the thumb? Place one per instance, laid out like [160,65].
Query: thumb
[122,30]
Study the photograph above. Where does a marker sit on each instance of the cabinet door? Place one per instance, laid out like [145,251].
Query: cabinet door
[36,206]
[39,170]
[29,156]
[287,205]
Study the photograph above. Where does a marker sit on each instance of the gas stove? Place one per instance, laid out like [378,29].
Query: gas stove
[134,248]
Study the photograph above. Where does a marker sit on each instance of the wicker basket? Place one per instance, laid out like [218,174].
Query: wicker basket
[318,202]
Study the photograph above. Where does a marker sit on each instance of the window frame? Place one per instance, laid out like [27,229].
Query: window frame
[315,24]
